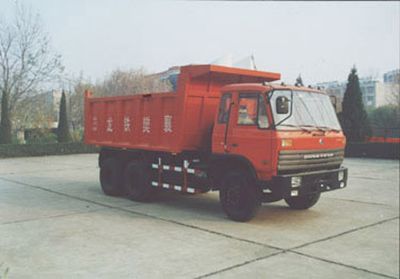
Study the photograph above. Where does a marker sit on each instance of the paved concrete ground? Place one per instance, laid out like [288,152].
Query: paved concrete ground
[56,223]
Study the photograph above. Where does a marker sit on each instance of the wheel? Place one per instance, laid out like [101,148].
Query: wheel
[303,202]
[110,177]
[239,198]
[137,182]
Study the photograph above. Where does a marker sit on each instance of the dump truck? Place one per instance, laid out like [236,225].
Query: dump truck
[223,129]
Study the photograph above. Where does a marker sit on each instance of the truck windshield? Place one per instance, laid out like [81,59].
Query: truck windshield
[308,111]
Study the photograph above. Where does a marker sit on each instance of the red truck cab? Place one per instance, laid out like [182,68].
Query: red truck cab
[289,135]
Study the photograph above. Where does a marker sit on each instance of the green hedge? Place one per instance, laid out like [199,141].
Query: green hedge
[373,150]
[42,149]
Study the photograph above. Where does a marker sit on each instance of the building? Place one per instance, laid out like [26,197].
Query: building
[371,89]
[375,93]
[52,101]
[335,90]
[391,81]
[36,114]
[39,111]
[392,76]
[168,79]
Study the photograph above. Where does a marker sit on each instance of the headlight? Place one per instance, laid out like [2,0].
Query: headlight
[340,175]
[286,142]
[296,181]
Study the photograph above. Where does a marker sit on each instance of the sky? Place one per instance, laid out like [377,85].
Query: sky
[319,40]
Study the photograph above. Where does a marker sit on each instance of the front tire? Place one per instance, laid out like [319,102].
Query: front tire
[110,177]
[137,182]
[303,202]
[239,198]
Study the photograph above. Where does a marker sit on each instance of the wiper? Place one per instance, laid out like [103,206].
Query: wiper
[323,128]
[296,126]
[320,128]
[329,129]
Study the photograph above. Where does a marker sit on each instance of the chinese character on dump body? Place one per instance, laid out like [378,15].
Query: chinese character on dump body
[168,123]
[146,124]
[109,124]
[94,124]
[127,124]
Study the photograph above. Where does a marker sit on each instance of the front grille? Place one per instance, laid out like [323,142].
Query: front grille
[303,160]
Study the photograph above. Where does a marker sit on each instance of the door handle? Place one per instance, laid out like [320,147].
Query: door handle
[235,145]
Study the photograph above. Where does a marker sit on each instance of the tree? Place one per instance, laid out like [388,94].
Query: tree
[131,82]
[385,120]
[76,101]
[63,134]
[33,112]
[26,62]
[299,81]
[354,117]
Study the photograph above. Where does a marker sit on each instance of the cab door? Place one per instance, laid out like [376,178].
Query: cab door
[250,133]
[222,128]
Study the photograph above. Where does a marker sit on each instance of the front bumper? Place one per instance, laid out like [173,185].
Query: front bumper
[300,184]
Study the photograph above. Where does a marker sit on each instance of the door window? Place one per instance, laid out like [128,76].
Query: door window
[224,108]
[247,114]
[262,113]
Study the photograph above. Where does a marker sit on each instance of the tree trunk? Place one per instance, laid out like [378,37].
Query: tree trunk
[5,123]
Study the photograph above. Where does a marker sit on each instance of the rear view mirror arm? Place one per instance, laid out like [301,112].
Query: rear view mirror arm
[291,110]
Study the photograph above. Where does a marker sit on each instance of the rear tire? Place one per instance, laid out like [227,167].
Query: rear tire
[137,182]
[110,177]
[303,202]
[239,198]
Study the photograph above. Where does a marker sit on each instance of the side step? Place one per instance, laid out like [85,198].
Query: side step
[179,177]
[175,187]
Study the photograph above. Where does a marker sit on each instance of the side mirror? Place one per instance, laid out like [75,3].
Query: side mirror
[282,105]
